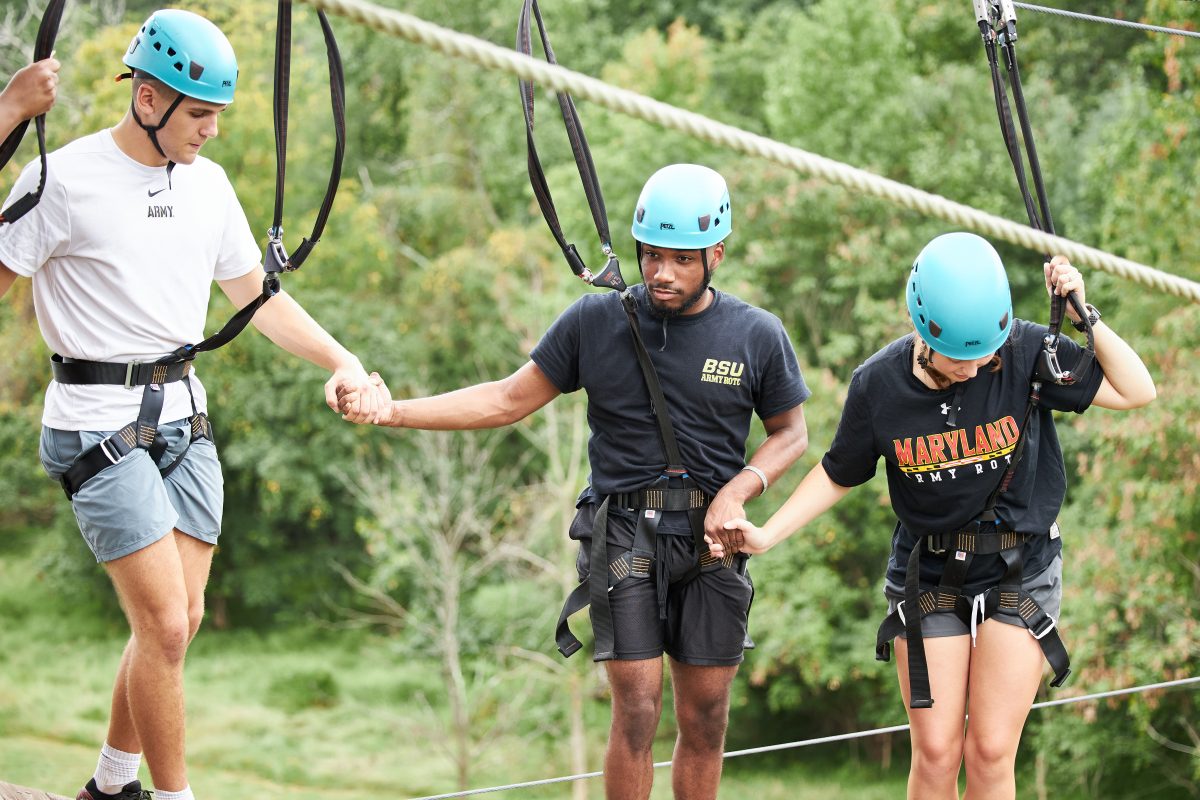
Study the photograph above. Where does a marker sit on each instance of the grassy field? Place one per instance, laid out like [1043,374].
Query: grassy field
[298,714]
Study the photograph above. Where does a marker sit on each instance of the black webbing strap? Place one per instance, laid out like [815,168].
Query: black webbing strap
[1010,598]
[276,258]
[142,433]
[134,373]
[42,48]
[631,564]
[998,26]
[610,274]
[918,667]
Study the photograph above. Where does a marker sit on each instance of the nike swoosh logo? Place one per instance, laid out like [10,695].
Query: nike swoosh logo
[151,194]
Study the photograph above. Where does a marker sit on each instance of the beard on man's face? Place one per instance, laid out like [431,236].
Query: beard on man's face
[670,312]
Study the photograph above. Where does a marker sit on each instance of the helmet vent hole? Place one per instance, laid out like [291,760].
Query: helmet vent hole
[935,329]
[171,51]
[178,66]
[152,31]
[1004,321]
[158,45]
[717,221]
[922,318]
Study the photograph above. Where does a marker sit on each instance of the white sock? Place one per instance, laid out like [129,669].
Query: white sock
[185,794]
[115,769]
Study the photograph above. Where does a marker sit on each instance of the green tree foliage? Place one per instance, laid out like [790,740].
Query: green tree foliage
[438,270]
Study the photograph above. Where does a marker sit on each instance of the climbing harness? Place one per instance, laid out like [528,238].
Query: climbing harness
[42,48]
[143,432]
[986,534]
[675,489]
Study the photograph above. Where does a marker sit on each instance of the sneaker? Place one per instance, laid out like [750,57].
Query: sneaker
[130,791]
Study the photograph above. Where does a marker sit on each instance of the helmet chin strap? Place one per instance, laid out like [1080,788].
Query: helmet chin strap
[152,130]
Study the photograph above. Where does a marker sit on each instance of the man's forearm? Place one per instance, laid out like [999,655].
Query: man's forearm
[282,320]
[775,456]
[471,408]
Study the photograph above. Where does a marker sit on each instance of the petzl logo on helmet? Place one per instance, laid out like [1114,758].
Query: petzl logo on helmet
[666,226]
[972,343]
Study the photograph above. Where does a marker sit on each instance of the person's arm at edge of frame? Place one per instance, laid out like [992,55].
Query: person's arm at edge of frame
[493,404]
[282,320]
[7,278]
[815,495]
[787,439]
[31,92]
[1127,383]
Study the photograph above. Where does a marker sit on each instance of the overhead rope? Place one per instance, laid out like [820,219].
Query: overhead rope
[560,79]
[1123,23]
[842,737]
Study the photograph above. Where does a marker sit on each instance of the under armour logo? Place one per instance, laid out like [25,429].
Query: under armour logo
[945,409]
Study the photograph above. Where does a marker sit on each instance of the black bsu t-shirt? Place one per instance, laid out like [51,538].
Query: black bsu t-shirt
[939,476]
[716,368]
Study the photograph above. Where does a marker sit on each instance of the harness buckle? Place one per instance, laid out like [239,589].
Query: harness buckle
[130,369]
[1050,625]
[104,448]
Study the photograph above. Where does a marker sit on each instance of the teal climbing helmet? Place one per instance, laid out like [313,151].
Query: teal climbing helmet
[958,297]
[186,52]
[683,207]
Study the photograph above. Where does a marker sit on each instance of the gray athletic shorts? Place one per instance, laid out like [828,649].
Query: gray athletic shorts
[707,617]
[1046,588]
[129,506]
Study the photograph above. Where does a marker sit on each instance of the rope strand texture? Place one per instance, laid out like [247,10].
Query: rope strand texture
[558,78]
[1108,20]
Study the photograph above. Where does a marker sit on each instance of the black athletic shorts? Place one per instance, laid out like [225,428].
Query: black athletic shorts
[706,622]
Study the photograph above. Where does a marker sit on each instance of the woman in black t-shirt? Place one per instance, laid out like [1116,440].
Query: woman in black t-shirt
[944,408]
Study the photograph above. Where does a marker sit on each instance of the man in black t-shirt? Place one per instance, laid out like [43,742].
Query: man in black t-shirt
[719,360]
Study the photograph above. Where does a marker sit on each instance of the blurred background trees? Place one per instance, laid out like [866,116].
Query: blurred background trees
[438,271]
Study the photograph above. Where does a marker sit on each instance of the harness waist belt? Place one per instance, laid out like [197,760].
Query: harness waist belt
[134,373]
[662,499]
[984,542]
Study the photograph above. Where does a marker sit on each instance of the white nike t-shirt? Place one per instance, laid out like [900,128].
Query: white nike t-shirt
[122,263]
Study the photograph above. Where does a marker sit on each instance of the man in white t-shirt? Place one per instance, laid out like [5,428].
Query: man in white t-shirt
[131,230]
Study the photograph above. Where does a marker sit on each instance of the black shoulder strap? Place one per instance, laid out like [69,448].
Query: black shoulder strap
[610,274]
[997,22]
[276,258]
[43,47]
[658,400]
